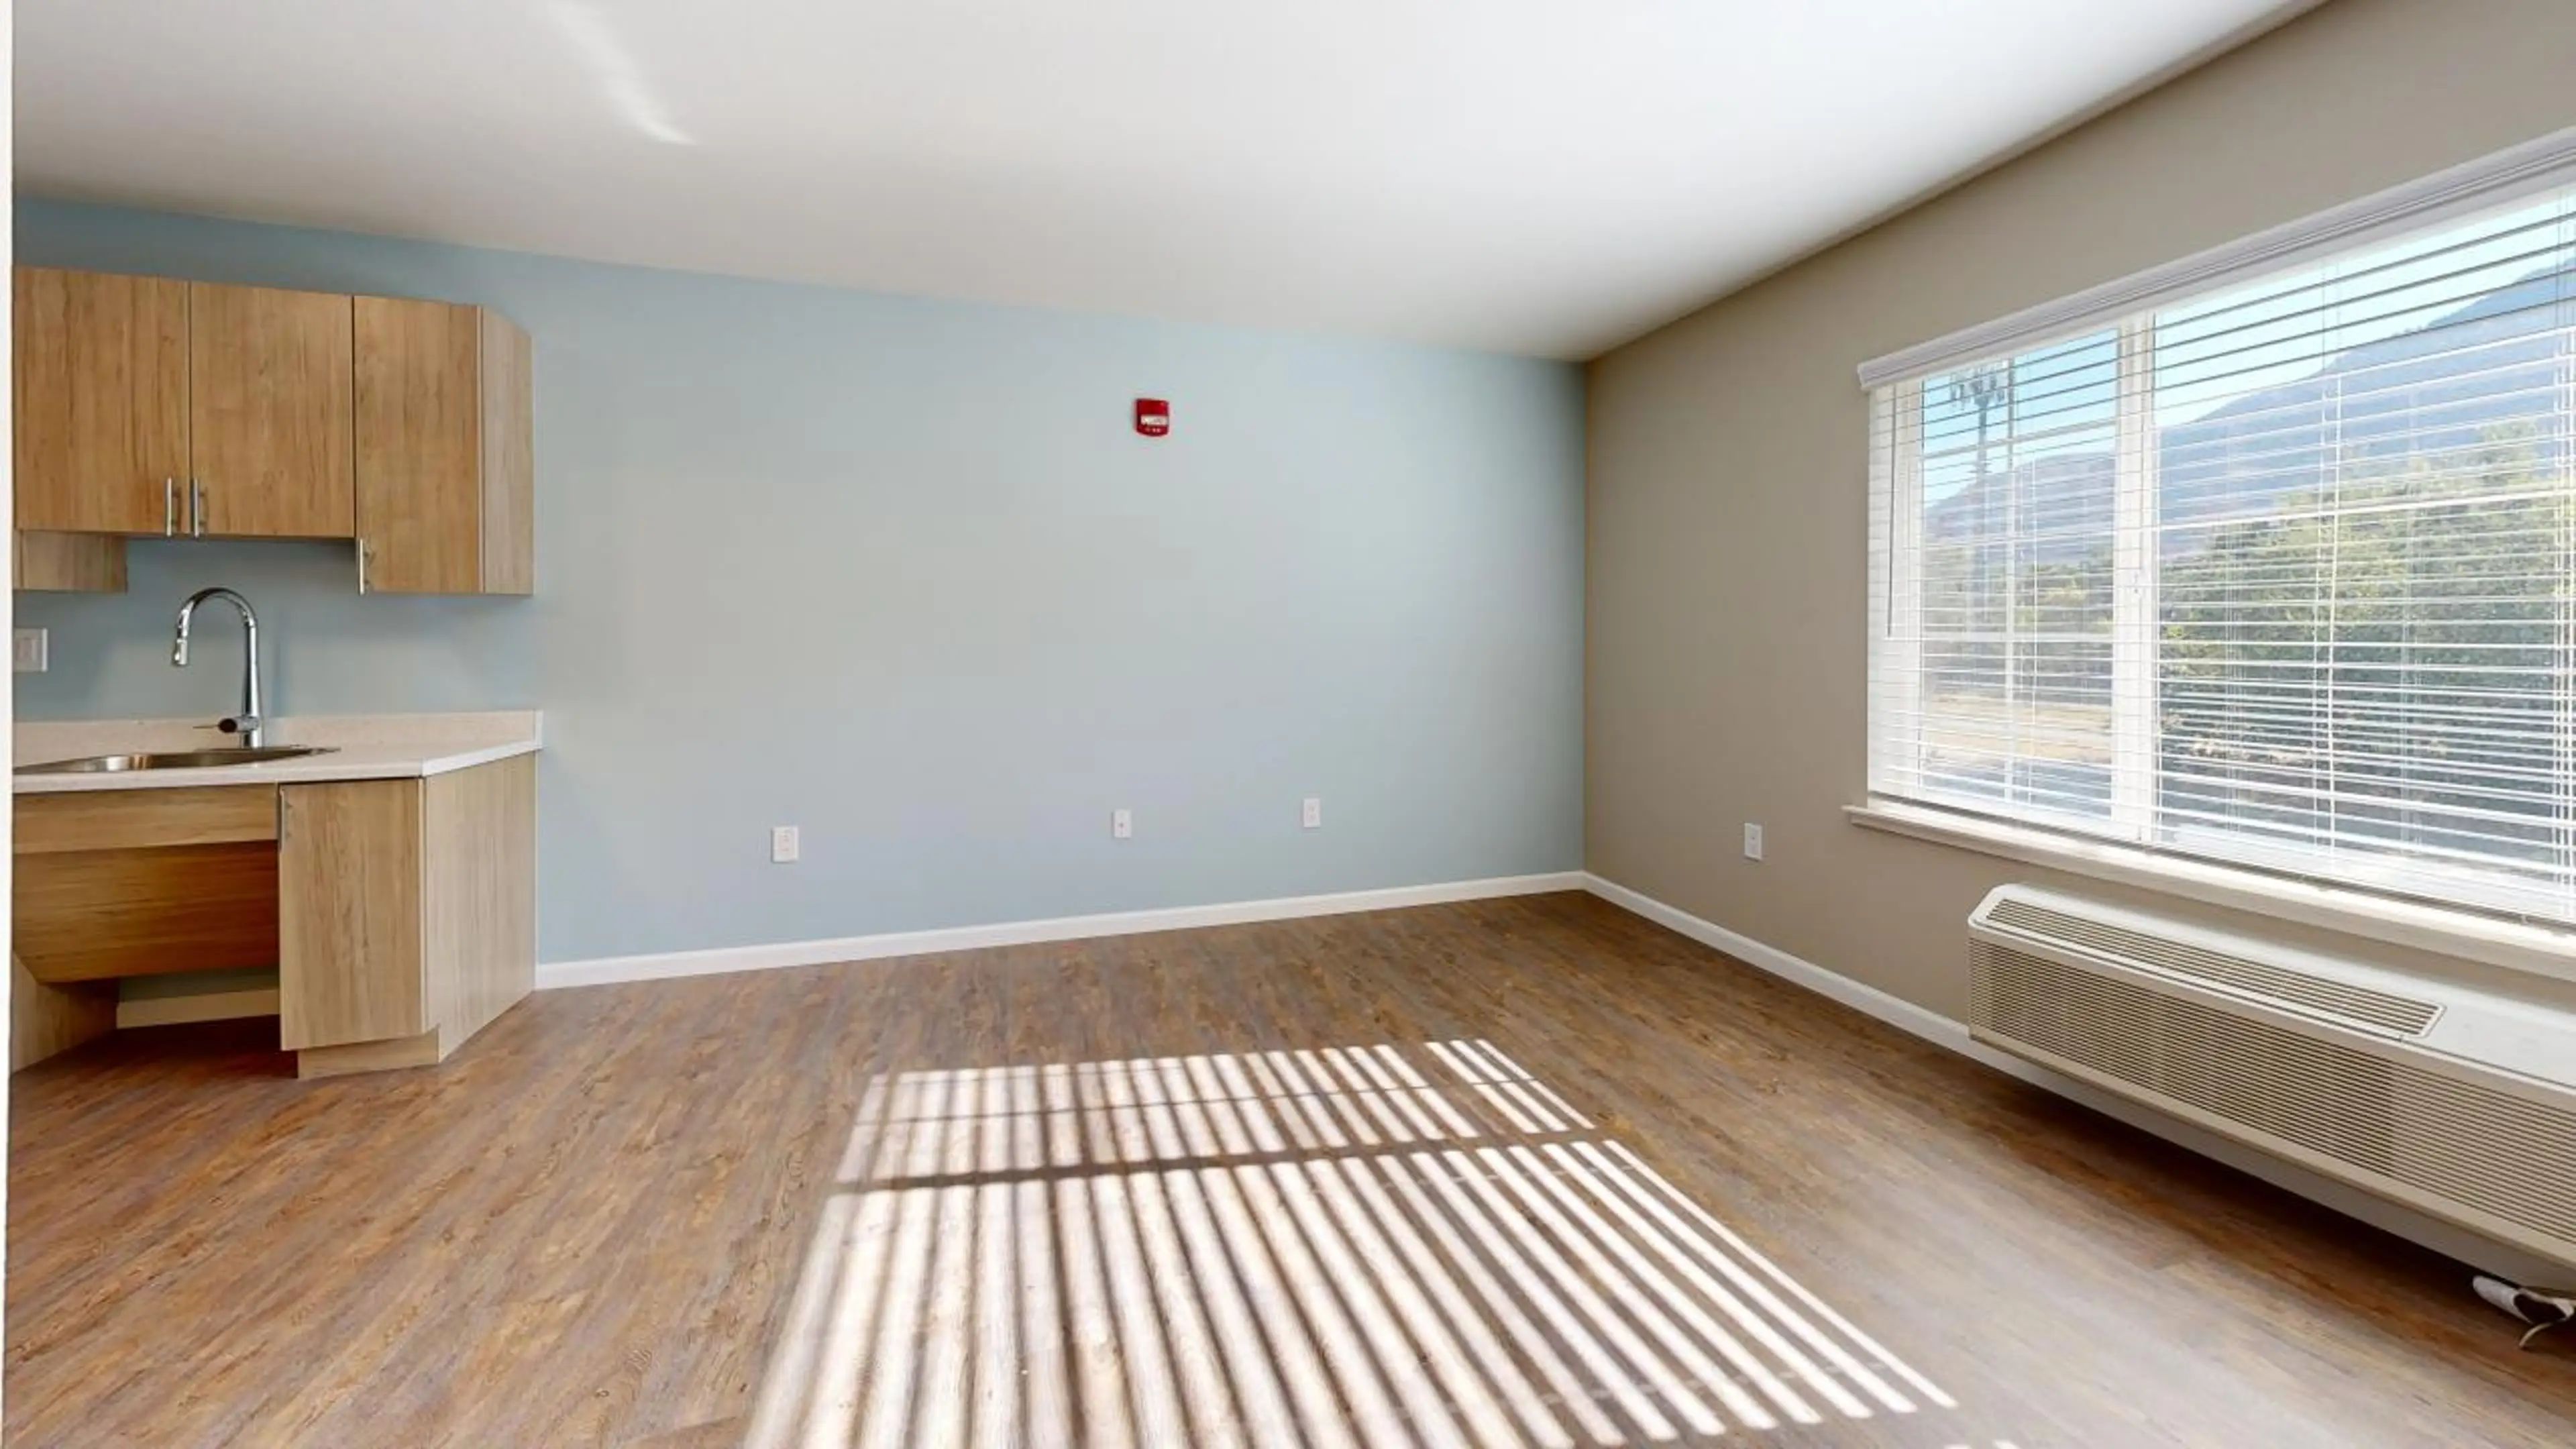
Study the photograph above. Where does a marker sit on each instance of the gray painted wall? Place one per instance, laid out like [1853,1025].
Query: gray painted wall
[898,571]
[1730,468]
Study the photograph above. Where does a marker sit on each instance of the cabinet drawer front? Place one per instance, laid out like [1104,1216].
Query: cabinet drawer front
[144,819]
[349,913]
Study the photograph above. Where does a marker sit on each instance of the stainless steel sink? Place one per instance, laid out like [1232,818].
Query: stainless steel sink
[173,760]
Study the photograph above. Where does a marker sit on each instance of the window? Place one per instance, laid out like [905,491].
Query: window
[2279,570]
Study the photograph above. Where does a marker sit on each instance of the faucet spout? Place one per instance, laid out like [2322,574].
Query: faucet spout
[251,723]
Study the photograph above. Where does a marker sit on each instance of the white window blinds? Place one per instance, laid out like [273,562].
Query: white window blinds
[2280,573]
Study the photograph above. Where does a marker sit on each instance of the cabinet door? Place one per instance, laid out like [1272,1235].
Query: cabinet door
[420,453]
[272,412]
[444,458]
[102,400]
[349,922]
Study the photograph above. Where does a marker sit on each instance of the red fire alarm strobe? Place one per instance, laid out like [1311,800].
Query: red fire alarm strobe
[1153,416]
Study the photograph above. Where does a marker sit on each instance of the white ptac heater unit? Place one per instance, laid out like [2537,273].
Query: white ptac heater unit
[2457,1103]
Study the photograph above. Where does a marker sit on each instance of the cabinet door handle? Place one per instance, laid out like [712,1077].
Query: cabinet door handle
[362,565]
[169,507]
[196,508]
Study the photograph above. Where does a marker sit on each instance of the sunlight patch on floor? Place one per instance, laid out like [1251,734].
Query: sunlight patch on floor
[1337,1246]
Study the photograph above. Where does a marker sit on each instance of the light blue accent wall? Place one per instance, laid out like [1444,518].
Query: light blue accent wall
[899,571]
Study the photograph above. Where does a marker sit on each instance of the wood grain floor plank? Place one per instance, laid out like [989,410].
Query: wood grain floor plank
[621,1213]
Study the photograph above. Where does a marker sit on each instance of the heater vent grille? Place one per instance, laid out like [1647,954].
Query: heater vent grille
[2300,991]
[2451,1140]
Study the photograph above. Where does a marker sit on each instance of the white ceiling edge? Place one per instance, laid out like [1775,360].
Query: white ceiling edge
[2235,40]
[1563,234]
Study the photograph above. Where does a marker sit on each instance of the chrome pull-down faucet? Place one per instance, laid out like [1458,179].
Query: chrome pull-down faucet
[252,723]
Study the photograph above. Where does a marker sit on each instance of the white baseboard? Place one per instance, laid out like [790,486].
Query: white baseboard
[604,970]
[1933,1027]
[1896,1011]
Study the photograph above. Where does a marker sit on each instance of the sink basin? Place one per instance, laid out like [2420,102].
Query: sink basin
[173,760]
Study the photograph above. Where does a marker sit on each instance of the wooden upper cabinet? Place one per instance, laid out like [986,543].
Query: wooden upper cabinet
[80,563]
[101,379]
[445,455]
[271,412]
[145,405]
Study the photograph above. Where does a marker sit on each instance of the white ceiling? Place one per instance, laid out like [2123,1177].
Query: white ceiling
[1536,176]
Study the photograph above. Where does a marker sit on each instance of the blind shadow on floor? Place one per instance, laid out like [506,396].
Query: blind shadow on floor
[1379,1244]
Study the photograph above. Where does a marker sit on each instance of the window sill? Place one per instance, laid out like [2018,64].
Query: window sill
[2508,944]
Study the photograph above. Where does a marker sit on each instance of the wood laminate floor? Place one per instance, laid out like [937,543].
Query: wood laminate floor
[1510,1172]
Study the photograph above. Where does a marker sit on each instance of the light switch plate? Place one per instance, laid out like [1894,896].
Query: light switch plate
[1122,824]
[783,845]
[1312,817]
[27,648]
[1752,841]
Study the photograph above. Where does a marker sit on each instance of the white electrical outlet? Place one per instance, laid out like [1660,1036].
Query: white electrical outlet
[783,845]
[27,651]
[1752,841]
[1312,817]
[1122,824]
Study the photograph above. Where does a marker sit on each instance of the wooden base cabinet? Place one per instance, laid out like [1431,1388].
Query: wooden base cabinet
[118,883]
[406,914]
[401,914]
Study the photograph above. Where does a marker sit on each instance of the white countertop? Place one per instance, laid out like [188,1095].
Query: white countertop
[365,747]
